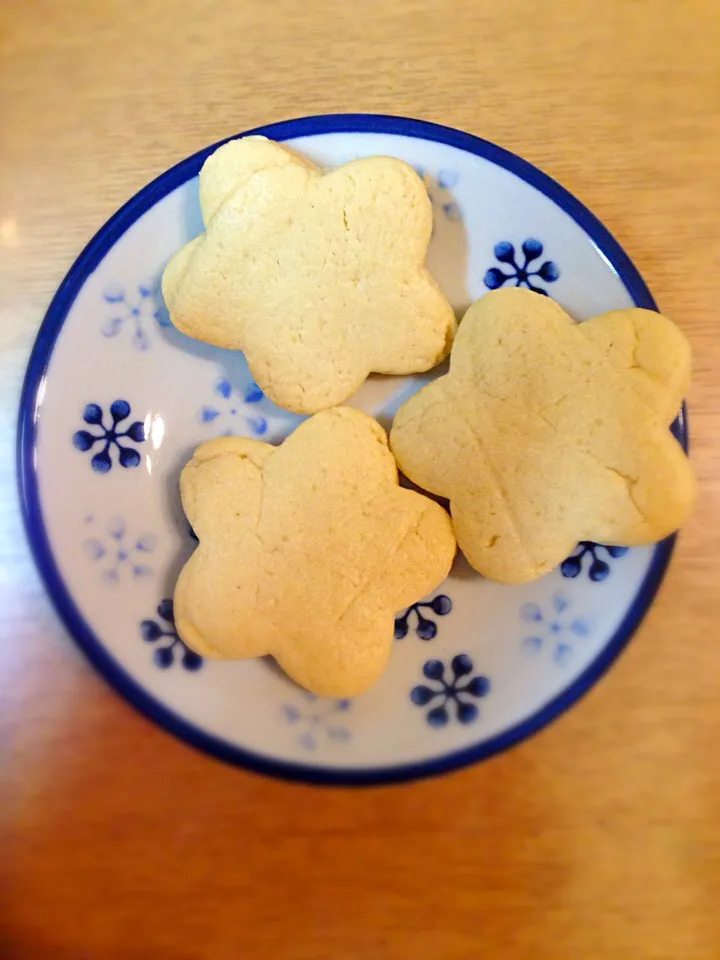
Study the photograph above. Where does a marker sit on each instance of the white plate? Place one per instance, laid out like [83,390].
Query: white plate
[478,665]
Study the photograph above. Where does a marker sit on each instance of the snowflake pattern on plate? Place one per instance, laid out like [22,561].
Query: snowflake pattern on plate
[136,312]
[554,630]
[438,188]
[425,628]
[110,436]
[450,691]
[317,719]
[598,569]
[117,554]
[520,272]
[231,405]
[163,634]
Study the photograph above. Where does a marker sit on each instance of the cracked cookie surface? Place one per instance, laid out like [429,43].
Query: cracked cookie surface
[318,277]
[307,550]
[546,432]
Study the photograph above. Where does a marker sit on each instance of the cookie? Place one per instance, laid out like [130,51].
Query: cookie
[318,277]
[307,550]
[546,432]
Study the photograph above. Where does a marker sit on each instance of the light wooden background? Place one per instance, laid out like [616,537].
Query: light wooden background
[600,838]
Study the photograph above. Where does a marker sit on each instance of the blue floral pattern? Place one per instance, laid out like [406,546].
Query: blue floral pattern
[450,691]
[230,404]
[554,630]
[598,569]
[109,437]
[425,628]
[163,634]
[438,188]
[521,272]
[317,719]
[133,311]
[117,554]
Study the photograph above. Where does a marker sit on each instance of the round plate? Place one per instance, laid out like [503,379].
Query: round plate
[115,400]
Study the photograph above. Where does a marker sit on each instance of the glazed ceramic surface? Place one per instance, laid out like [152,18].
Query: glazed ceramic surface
[116,400]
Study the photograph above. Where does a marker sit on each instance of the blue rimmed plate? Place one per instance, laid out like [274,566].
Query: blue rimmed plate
[115,400]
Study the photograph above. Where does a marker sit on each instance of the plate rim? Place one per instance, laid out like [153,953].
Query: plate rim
[31,401]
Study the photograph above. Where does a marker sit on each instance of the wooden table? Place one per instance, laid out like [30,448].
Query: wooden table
[600,838]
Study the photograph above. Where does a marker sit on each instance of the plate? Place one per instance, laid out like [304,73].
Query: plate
[115,400]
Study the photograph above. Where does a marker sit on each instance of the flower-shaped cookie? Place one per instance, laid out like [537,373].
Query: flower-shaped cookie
[546,432]
[307,550]
[318,277]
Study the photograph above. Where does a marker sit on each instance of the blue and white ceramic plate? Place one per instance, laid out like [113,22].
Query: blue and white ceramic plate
[116,399]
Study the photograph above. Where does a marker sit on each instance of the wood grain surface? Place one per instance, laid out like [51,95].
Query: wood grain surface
[600,837]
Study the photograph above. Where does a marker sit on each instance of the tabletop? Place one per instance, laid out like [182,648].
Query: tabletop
[598,838]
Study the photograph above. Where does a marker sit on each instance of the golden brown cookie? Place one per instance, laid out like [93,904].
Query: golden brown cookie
[318,277]
[546,432]
[307,550]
